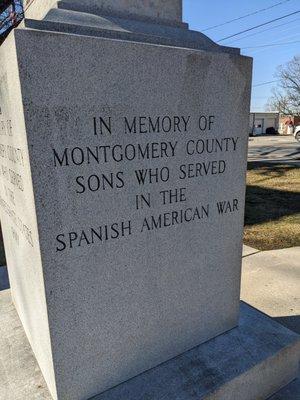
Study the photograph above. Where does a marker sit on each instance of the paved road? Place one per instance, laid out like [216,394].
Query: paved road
[274,149]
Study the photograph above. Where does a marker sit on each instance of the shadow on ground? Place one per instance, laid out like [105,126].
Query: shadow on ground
[265,204]
[270,193]
[269,170]
[2,251]
[4,282]
[292,322]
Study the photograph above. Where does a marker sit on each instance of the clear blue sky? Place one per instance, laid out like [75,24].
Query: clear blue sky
[201,14]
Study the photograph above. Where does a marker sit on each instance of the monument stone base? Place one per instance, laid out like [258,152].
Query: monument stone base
[250,362]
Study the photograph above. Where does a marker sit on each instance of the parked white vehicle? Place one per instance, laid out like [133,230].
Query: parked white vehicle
[297,133]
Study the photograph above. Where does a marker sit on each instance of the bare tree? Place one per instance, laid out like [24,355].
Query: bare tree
[286,97]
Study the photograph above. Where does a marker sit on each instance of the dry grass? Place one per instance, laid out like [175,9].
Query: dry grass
[272,216]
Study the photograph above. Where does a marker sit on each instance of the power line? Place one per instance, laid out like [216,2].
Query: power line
[270,45]
[244,16]
[258,26]
[264,30]
[264,83]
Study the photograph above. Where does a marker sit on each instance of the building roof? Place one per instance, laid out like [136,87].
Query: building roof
[265,112]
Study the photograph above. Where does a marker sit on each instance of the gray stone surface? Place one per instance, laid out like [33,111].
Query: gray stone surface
[156,9]
[18,216]
[249,362]
[105,286]
[115,28]
[117,20]
[76,20]
[165,10]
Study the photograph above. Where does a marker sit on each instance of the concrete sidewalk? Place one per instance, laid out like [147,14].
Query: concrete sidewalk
[271,283]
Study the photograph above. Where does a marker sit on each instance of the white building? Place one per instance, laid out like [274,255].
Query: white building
[261,121]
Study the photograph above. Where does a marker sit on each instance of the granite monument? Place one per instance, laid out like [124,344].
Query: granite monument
[123,158]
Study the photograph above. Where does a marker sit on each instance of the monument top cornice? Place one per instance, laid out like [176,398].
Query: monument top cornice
[147,21]
[159,10]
